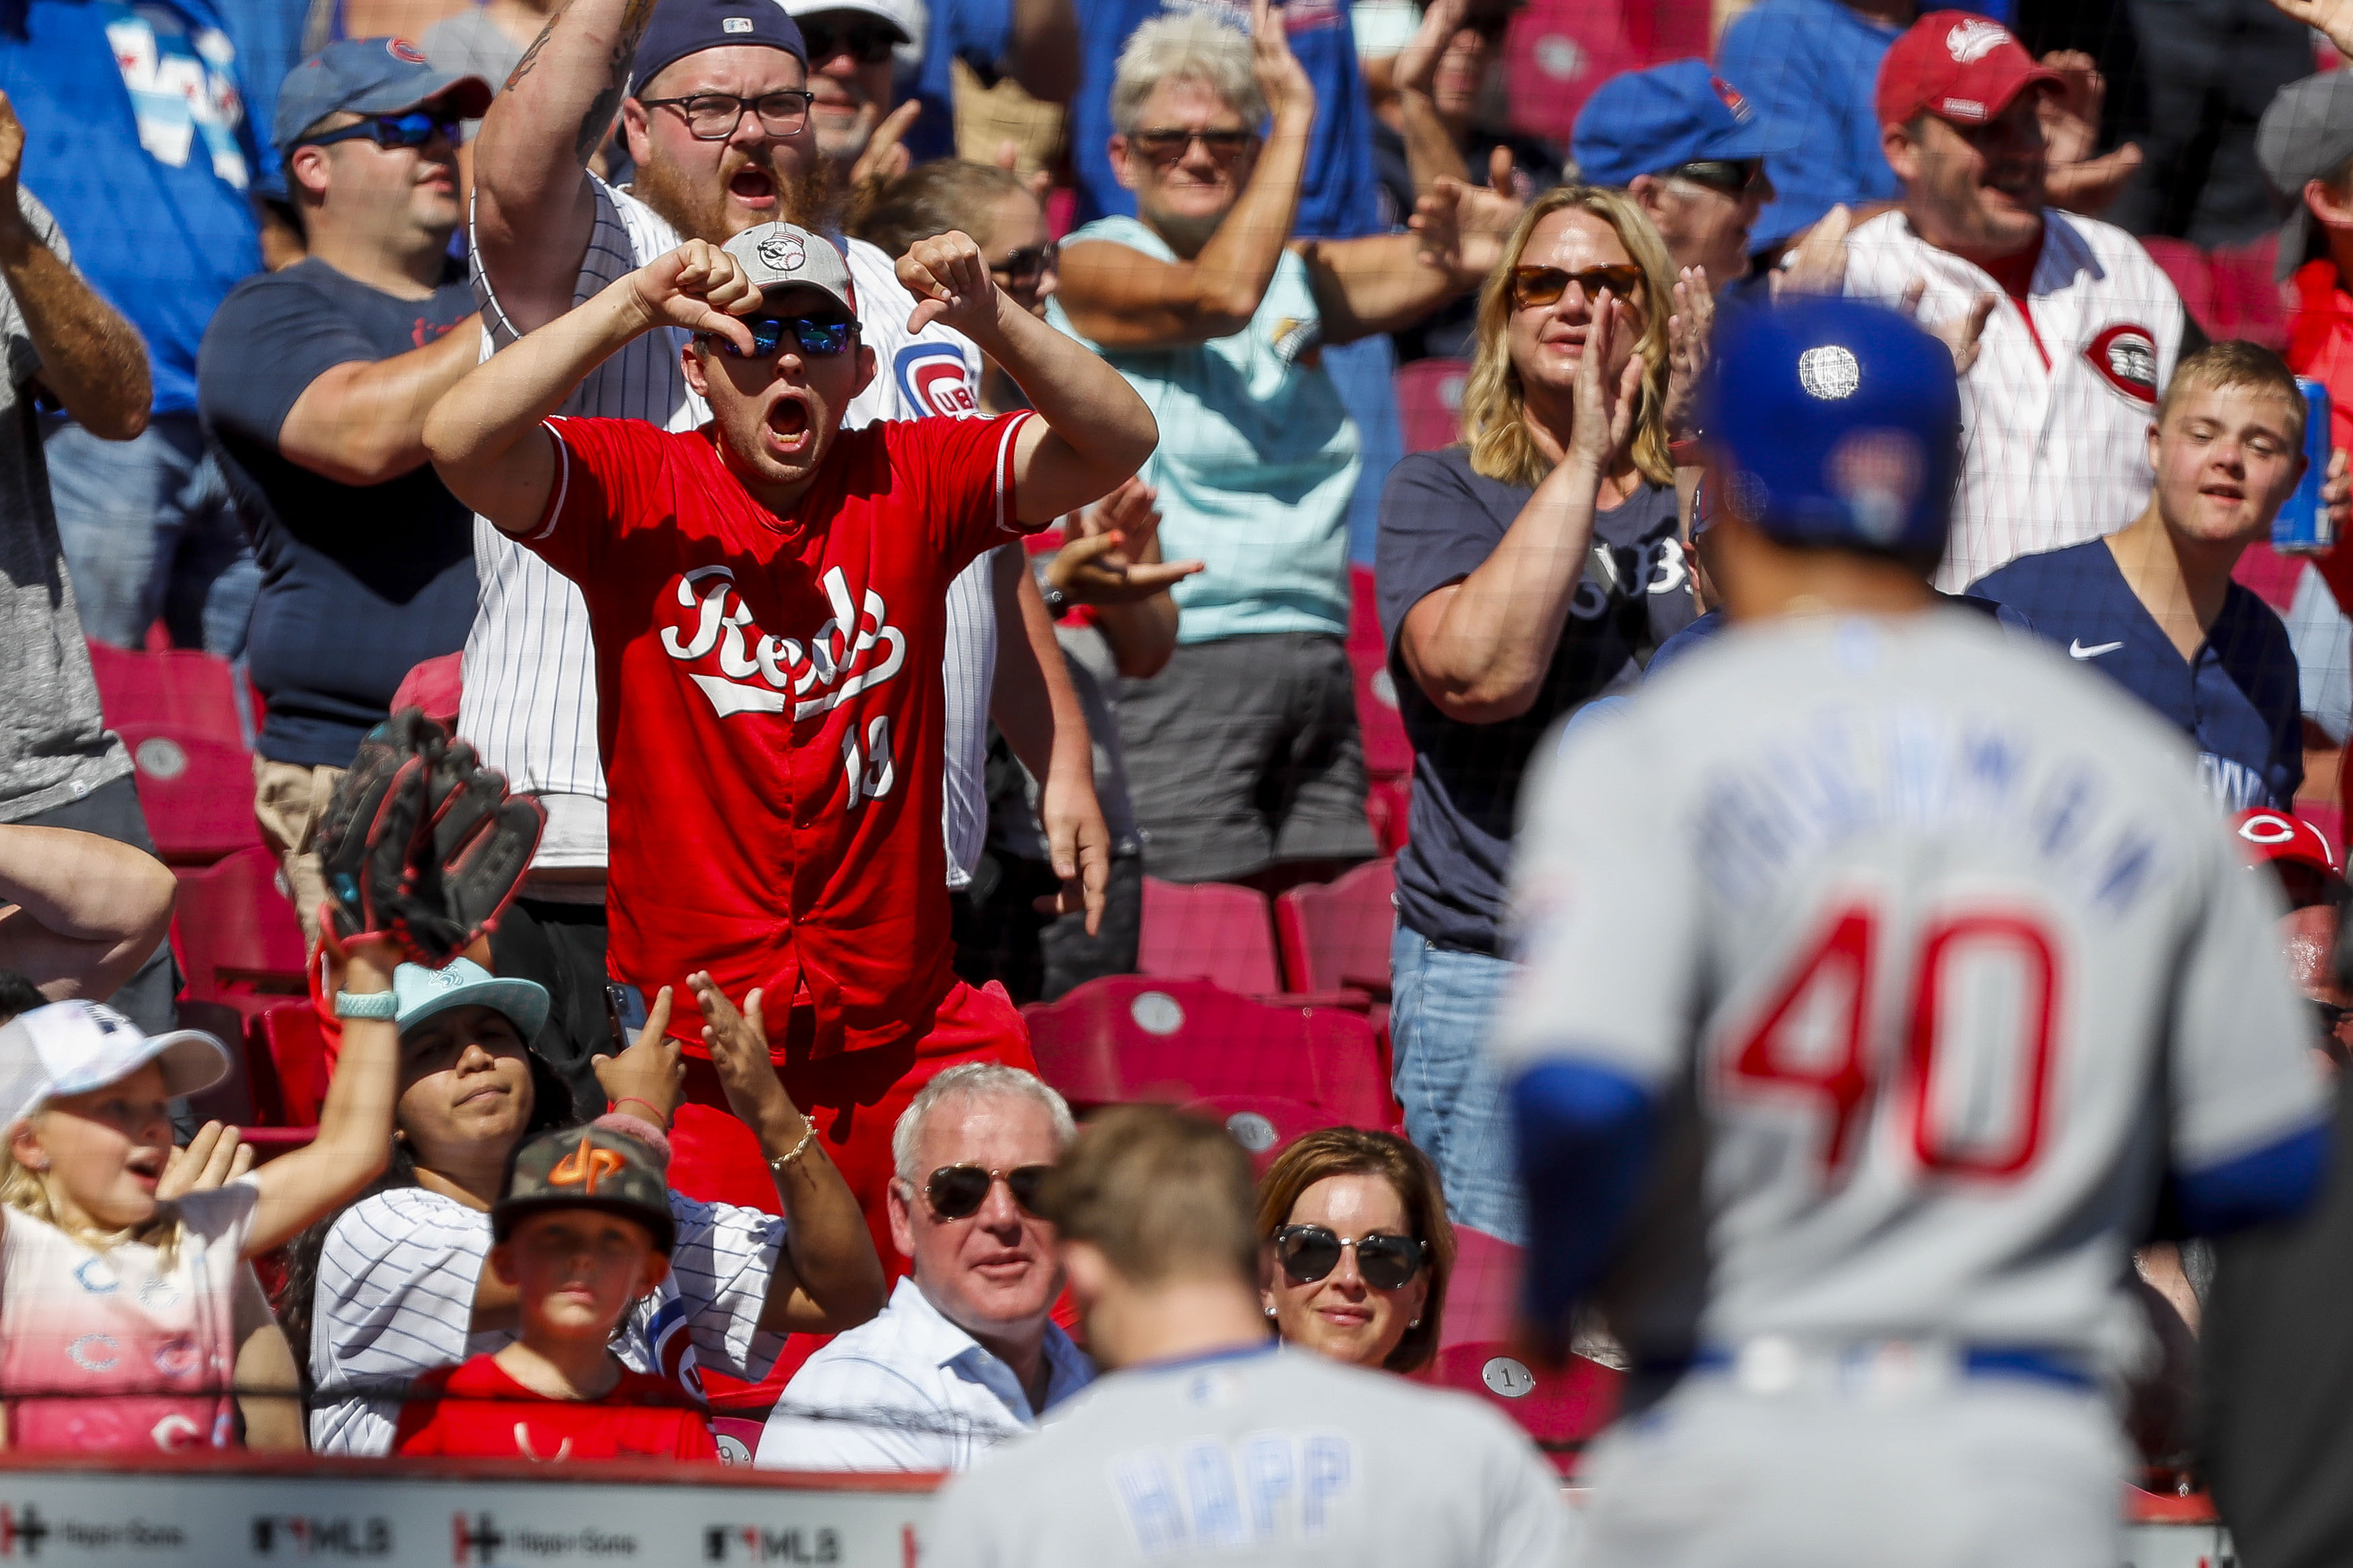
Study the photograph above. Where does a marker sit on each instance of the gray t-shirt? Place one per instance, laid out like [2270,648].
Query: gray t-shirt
[53,746]
[1259,1456]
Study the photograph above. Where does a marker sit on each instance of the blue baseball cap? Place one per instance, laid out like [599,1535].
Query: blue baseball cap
[684,27]
[1837,422]
[1648,122]
[420,992]
[368,75]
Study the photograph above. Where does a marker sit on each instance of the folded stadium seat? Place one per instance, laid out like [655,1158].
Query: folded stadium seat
[236,935]
[738,1437]
[1335,936]
[182,689]
[1265,1124]
[290,1067]
[2247,295]
[1132,1037]
[1210,930]
[2269,575]
[1430,402]
[195,789]
[1560,1411]
[1387,753]
[1389,808]
[1364,613]
[2192,271]
[1483,1297]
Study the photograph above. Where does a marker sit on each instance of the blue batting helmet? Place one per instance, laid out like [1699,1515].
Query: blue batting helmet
[1835,422]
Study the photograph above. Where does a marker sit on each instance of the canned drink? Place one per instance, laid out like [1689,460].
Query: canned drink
[2302,526]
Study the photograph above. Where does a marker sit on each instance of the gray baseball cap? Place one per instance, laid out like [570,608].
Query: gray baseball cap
[782,256]
[368,75]
[2306,134]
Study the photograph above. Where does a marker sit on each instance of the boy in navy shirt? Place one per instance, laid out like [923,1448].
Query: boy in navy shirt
[2153,604]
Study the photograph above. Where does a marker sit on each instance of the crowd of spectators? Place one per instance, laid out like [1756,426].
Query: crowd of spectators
[340,372]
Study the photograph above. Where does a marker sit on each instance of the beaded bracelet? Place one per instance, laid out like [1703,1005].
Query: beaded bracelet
[808,1134]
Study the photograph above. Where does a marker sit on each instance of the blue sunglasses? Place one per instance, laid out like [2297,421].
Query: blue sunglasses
[821,338]
[414,129]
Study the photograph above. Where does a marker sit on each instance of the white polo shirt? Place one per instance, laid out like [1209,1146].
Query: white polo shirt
[909,1390]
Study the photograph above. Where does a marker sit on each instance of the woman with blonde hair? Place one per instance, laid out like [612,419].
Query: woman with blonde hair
[1522,573]
[1358,1248]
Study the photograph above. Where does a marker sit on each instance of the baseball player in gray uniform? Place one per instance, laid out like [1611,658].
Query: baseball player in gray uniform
[1210,1443]
[1931,969]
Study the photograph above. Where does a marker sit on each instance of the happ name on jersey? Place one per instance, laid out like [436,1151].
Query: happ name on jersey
[1214,1493]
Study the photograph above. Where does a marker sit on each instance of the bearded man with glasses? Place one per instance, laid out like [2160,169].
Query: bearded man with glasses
[966,1354]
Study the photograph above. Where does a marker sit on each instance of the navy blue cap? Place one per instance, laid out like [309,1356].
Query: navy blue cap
[368,75]
[1648,122]
[684,27]
[1835,421]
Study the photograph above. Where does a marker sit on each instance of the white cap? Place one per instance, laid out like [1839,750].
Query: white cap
[908,16]
[72,1047]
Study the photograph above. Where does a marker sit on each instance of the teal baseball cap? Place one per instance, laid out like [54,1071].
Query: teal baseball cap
[421,992]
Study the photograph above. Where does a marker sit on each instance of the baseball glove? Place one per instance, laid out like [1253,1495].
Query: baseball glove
[421,842]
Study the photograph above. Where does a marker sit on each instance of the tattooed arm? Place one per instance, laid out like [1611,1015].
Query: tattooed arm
[533,206]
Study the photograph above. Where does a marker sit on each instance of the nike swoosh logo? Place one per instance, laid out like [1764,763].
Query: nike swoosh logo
[2075,649]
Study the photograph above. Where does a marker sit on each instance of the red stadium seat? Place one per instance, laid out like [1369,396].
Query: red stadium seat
[236,934]
[1208,930]
[1560,1411]
[1265,1124]
[289,1066]
[2192,271]
[1337,935]
[1387,753]
[1430,403]
[2247,297]
[1365,612]
[1481,1298]
[1134,1038]
[183,689]
[196,791]
[2269,575]
[1388,805]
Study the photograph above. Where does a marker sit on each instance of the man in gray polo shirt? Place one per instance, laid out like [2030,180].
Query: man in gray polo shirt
[60,767]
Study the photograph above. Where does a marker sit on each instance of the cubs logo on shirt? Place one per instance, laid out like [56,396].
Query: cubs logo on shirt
[2125,356]
[933,377]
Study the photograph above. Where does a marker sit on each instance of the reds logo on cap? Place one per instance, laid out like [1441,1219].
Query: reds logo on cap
[783,252]
[2125,357]
[1974,38]
[2277,835]
[403,50]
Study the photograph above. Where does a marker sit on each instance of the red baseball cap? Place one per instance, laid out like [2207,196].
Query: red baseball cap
[2271,835]
[1957,66]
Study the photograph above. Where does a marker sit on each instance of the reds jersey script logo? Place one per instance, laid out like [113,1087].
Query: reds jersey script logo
[856,650]
[2125,357]
[1972,40]
[783,252]
[935,379]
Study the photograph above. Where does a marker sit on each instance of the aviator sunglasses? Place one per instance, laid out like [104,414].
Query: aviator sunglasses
[1546,285]
[1309,1252]
[414,129]
[956,1191]
[817,337]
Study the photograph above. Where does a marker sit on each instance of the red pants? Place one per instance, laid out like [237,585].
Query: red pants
[854,1098]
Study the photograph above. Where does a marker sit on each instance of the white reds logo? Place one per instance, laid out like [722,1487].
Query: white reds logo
[785,252]
[2123,356]
[1972,40]
[835,664]
[1829,373]
[2267,828]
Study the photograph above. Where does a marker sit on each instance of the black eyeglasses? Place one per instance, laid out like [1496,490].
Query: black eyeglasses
[714,116]
[1167,146]
[868,43]
[1546,285]
[1309,1252]
[1734,177]
[414,129]
[817,336]
[956,1191]
[1027,267]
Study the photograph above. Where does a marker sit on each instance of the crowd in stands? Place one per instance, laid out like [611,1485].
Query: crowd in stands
[868,701]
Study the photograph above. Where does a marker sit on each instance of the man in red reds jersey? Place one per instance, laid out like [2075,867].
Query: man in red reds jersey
[767,597]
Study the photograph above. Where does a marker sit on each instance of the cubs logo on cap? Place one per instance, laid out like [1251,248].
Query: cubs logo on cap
[403,51]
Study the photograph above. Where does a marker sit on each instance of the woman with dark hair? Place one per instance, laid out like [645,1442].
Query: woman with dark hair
[394,1286]
[1358,1248]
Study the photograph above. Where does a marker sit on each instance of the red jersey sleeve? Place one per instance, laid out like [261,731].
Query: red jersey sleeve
[962,480]
[609,478]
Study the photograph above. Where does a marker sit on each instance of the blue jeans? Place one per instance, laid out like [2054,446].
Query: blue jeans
[1442,1004]
[1366,373]
[148,531]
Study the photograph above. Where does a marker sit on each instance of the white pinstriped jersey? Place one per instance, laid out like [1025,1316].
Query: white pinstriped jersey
[529,704]
[2051,455]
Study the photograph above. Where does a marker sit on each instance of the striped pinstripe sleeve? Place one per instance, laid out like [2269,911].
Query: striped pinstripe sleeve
[721,1262]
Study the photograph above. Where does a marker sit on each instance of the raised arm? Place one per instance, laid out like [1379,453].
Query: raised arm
[1430,154]
[1121,298]
[363,422]
[1380,283]
[827,1278]
[1480,647]
[485,436]
[533,207]
[353,1142]
[83,911]
[91,359]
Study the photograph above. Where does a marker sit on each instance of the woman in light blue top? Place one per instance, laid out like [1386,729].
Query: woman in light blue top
[1243,753]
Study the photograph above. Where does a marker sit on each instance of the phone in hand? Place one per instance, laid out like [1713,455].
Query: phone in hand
[625,1005]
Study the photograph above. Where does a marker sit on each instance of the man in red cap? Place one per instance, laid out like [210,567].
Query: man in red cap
[2297,852]
[2085,327]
